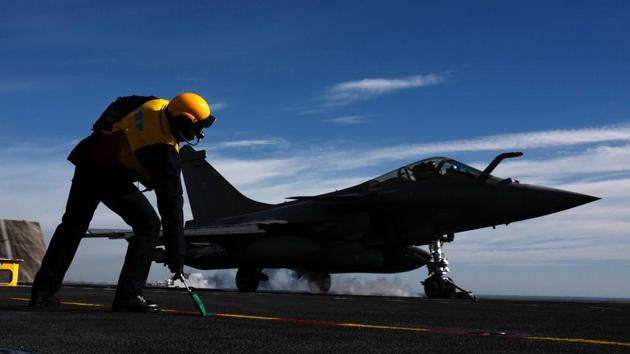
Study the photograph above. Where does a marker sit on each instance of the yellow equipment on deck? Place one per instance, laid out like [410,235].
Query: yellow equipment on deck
[9,270]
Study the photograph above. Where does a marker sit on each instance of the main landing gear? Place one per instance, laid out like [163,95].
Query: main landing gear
[439,284]
[318,283]
[248,279]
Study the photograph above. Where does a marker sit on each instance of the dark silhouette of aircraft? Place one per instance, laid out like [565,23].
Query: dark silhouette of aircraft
[373,227]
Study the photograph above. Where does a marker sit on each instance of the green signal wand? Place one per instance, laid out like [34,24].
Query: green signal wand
[194,296]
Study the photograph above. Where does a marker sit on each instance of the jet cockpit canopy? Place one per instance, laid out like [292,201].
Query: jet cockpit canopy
[430,168]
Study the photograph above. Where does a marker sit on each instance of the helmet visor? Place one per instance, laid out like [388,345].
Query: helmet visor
[206,122]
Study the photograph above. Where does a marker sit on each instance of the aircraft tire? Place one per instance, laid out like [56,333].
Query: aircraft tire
[433,287]
[448,290]
[247,279]
[319,283]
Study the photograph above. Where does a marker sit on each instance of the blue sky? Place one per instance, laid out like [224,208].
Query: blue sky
[314,96]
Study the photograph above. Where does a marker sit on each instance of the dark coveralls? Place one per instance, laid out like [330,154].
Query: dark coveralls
[113,184]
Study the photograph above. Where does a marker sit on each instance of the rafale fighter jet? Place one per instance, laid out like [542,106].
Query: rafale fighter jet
[373,227]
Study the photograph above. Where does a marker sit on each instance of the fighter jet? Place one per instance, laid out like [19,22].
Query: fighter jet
[377,226]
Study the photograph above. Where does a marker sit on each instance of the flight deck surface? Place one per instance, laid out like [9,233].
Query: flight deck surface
[290,322]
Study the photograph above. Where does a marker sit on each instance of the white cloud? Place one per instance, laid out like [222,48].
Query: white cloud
[589,164]
[21,85]
[11,85]
[34,183]
[352,91]
[600,235]
[503,142]
[596,232]
[247,143]
[218,106]
[240,171]
[356,119]
[291,186]
[41,177]
[34,190]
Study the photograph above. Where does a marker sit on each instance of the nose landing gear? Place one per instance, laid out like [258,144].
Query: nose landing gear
[439,284]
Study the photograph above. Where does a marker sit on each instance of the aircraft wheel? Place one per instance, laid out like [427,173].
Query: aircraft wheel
[448,290]
[433,287]
[247,279]
[319,283]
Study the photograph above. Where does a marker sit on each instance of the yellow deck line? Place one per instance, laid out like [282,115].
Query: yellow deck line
[248,317]
[371,326]
[392,328]
[579,340]
[74,303]
[83,304]
[167,310]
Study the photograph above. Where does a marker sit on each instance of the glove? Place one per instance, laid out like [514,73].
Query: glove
[176,265]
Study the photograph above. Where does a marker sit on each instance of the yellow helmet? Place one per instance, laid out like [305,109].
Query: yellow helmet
[190,105]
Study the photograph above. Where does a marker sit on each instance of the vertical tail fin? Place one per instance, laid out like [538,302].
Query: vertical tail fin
[210,195]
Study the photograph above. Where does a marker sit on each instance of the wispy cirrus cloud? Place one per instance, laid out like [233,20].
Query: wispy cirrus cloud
[348,120]
[591,164]
[243,171]
[253,143]
[218,106]
[502,142]
[42,173]
[593,161]
[348,92]
[604,152]
[18,84]
[13,87]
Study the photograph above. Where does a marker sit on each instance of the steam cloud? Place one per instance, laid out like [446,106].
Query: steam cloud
[287,280]
[214,280]
[354,285]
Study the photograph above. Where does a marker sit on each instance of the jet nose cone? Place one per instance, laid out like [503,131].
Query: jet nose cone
[542,201]
[562,200]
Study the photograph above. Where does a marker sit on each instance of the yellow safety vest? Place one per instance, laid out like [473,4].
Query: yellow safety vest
[146,125]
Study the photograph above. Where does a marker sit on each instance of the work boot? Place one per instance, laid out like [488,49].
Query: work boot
[134,304]
[38,301]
